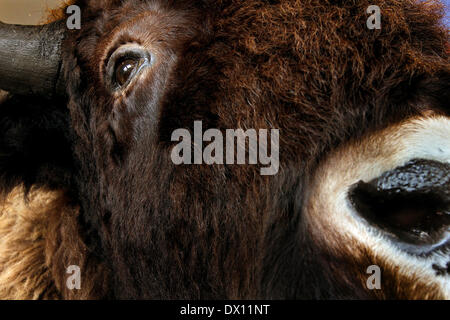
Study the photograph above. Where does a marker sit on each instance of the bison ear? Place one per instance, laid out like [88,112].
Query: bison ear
[34,144]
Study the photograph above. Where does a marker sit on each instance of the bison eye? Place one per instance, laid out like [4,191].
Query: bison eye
[124,70]
[126,64]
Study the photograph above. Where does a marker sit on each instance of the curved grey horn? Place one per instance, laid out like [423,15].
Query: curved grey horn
[30,58]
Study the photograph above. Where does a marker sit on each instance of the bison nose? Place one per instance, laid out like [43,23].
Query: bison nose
[410,205]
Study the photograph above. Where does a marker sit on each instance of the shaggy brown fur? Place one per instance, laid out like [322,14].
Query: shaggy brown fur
[37,234]
[24,273]
[309,68]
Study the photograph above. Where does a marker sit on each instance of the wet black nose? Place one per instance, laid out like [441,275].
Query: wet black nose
[410,204]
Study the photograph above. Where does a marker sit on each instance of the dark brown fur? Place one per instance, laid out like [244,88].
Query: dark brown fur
[310,68]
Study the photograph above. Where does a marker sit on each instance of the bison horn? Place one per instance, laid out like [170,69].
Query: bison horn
[30,58]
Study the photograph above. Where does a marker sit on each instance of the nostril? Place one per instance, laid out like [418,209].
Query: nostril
[411,204]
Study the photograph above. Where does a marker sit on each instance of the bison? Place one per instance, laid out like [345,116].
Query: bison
[359,207]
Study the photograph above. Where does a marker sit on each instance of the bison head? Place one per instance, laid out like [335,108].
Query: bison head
[364,148]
